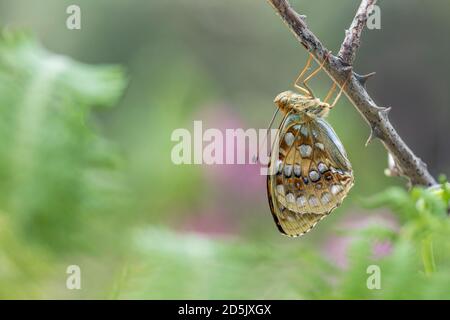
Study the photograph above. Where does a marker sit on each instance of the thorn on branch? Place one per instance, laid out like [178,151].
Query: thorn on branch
[370,138]
[362,79]
[384,112]
[392,170]
[375,132]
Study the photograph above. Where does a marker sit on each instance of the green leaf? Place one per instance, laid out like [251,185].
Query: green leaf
[55,171]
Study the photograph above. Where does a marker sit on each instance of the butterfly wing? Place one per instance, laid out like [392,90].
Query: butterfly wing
[309,174]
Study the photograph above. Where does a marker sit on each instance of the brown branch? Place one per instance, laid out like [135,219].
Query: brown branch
[352,39]
[340,69]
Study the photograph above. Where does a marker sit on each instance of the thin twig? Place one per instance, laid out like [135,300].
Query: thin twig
[352,39]
[340,69]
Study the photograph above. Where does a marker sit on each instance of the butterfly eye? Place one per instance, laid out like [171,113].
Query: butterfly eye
[283,100]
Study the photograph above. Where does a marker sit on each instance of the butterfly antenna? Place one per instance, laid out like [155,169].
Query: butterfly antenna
[265,137]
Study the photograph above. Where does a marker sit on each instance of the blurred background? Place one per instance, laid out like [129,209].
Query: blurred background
[86,176]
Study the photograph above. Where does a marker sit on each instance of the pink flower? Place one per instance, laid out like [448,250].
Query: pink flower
[381,249]
[337,246]
[242,180]
[210,222]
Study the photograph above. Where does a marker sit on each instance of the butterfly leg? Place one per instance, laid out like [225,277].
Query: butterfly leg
[340,91]
[308,90]
[302,73]
[313,74]
[330,93]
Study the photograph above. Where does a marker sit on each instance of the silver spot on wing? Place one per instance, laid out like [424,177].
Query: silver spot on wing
[287,170]
[326,198]
[313,201]
[280,189]
[290,198]
[314,175]
[297,170]
[305,150]
[322,167]
[301,201]
[336,188]
[289,138]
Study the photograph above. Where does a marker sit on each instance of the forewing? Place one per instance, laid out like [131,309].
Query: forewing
[309,174]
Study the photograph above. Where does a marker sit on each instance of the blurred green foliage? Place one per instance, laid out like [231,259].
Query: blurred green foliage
[54,169]
[60,187]
[167,265]
[419,263]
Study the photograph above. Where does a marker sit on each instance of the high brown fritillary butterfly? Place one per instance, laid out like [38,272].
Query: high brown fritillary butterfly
[309,172]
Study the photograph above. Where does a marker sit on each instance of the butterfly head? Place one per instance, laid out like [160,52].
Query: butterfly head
[313,107]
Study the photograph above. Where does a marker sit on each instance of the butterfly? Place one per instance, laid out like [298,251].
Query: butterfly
[309,171]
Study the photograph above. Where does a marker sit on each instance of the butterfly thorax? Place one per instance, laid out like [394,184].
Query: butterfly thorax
[289,101]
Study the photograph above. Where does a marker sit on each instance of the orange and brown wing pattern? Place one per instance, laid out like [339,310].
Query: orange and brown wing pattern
[309,174]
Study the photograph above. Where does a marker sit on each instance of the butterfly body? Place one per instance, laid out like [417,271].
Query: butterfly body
[311,107]
[309,172]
